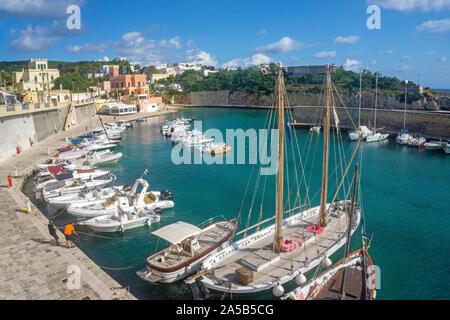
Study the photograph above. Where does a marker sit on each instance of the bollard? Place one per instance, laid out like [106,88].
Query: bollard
[18,149]
[16,174]
[48,150]
[9,180]
[28,206]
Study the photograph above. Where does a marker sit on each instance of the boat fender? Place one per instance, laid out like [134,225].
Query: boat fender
[327,262]
[149,223]
[278,290]
[300,279]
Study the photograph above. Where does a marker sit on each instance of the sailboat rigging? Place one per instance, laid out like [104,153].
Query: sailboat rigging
[278,253]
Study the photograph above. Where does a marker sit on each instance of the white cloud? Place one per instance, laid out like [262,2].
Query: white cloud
[390,51]
[440,26]
[325,54]
[201,57]
[40,38]
[406,57]
[430,53]
[88,47]
[135,47]
[43,9]
[411,5]
[254,60]
[352,65]
[285,44]
[261,32]
[349,39]
[442,59]
[105,58]
[404,68]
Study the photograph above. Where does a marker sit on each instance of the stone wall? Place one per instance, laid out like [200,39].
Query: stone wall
[27,129]
[426,123]
[209,98]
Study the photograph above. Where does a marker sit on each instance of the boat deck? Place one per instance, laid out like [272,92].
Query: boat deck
[268,266]
[355,285]
[210,238]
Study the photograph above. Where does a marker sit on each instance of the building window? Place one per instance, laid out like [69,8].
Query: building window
[139,83]
[52,78]
[121,84]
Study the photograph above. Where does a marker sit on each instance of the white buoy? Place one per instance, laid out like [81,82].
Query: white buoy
[278,290]
[327,262]
[374,294]
[149,223]
[300,279]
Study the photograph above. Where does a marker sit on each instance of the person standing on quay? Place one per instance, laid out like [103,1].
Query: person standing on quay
[69,231]
[52,230]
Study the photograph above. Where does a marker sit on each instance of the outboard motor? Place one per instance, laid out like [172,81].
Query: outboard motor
[166,195]
[126,187]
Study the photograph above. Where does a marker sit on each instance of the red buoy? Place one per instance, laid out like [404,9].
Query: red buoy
[9,180]
[18,149]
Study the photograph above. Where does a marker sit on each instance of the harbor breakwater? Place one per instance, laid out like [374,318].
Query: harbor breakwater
[307,109]
[24,130]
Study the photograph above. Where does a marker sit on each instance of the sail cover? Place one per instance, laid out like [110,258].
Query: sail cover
[177,232]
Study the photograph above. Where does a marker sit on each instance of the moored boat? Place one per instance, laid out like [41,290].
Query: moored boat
[189,246]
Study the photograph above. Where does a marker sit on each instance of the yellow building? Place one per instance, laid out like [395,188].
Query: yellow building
[53,96]
[38,77]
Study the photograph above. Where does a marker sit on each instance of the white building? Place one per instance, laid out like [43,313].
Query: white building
[207,72]
[104,69]
[175,86]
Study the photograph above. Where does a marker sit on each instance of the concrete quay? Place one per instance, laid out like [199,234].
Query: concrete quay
[31,265]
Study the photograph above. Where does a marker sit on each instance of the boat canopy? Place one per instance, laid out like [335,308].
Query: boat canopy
[177,232]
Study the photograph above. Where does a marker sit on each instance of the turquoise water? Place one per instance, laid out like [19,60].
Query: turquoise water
[405,195]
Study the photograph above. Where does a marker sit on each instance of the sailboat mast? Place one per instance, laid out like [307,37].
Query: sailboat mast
[278,240]
[404,115]
[359,108]
[376,98]
[326,142]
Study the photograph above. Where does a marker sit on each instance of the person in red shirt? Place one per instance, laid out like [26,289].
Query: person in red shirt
[69,232]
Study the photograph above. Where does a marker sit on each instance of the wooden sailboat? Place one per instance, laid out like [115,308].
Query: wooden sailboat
[374,135]
[277,254]
[351,278]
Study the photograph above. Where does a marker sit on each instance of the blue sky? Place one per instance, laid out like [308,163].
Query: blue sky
[413,39]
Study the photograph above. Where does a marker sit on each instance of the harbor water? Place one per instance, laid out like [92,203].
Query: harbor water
[405,200]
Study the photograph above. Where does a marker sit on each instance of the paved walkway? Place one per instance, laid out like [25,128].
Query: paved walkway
[31,265]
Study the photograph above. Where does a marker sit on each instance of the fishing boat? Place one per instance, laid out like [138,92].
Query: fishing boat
[434,145]
[375,136]
[140,119]
[404,137]
[276,254]
[122,220]
[351,278]
[195,138]
[361,132]
[189,246]
[127,200]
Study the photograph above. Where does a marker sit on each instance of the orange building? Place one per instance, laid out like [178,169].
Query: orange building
[129,84]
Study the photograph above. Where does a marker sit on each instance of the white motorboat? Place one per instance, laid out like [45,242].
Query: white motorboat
[417,142]
[189,246]
[72,155]
[377,137]
[403,138]
[213,148]
[128,201]
[447,148]
[102,157]
[59,173]
[195,138]
[59,188]
[85,196]
[434,145]
[362,132]
[123,220]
